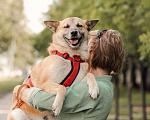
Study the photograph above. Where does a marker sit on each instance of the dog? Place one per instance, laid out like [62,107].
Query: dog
[63,67]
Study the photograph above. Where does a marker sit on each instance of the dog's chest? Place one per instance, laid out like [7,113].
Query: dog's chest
[62,68]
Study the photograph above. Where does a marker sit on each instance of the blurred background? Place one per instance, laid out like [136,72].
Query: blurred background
[24,40]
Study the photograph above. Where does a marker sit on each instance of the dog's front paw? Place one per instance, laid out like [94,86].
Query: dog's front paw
[93,86]
[93,92]
[57,108]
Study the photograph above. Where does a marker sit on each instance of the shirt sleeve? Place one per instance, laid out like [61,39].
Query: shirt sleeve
[77,99]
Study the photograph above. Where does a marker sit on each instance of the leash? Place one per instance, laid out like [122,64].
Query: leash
[20,102]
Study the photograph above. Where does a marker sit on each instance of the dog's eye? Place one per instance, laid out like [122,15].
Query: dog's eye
[67,26]
[78,25]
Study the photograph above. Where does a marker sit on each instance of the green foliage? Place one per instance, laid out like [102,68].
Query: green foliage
[144,49]
[42,42]
[130,17]
[4,26]
[13,28]
[146,3]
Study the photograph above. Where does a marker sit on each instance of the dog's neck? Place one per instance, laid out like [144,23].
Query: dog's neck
[82,51]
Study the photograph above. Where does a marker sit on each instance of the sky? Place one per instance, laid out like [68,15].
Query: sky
[33,10]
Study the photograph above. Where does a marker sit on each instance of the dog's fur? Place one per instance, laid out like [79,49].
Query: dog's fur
[70,36]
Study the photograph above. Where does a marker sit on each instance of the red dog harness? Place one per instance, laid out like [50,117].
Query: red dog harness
[75,67]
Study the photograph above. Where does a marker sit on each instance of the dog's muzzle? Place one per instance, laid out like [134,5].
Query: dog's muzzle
[76,38]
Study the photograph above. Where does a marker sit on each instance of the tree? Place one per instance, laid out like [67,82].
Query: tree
[42,42]
[144,48]
[4,26]
[14,30]
[130,18]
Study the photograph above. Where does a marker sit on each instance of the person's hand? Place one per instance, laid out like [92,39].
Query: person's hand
[14,98]
[23,93]
[16,90]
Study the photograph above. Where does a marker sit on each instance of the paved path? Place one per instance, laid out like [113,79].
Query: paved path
[5,104]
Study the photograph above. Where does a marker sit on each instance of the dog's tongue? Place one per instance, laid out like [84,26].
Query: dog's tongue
[74,41]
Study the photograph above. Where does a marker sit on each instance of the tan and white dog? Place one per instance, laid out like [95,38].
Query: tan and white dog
[71,37]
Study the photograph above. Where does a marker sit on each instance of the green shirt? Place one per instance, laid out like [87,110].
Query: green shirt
[77,105]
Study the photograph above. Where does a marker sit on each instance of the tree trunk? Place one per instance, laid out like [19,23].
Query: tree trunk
[116,81]
[124,75]
[143,89]
[129,87]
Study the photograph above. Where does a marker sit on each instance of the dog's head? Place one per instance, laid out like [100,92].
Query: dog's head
[71,32]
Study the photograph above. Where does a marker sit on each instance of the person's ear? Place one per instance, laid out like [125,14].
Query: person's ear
[52,25]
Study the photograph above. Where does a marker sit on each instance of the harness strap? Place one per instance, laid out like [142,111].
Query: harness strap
[20,102]
[30,82]
[75,67]
[66,56]
[69,79]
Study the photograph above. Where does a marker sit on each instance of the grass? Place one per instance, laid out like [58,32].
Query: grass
[7,84]
[136,102]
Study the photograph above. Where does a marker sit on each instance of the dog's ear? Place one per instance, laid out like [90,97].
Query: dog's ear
[91,23]
[52,25]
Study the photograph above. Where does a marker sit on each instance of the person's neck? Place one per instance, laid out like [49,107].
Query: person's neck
[99,72]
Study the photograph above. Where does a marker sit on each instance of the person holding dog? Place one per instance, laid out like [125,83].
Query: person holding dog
[106,58]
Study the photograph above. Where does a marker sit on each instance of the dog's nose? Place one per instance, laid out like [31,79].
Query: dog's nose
[74,33]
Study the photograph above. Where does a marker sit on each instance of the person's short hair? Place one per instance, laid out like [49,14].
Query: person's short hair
[106,51]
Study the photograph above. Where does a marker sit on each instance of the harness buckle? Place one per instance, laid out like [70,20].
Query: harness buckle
[56,52]
[76,60]
[64,56]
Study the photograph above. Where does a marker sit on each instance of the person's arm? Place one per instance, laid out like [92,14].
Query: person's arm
[77,98]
